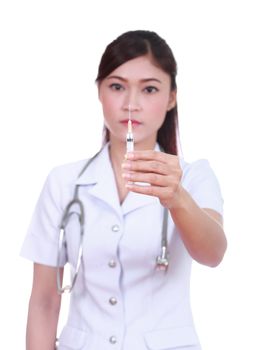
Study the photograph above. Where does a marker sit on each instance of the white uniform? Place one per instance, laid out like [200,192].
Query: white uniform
[120,301]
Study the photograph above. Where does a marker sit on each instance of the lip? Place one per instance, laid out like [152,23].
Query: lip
[133,121]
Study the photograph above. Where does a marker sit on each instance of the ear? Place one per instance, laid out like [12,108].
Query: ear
[171,100]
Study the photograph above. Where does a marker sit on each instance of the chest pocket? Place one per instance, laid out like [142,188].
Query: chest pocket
[181,338]
[73,339]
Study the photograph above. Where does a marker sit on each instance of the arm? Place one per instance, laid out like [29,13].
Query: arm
[201,229]
[44,307]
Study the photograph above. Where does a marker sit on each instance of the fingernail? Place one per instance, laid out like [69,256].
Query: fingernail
[129,155]
[126,175]
[125,165]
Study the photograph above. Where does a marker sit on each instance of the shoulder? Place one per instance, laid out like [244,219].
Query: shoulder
[61,180]
[197,172]
[191,169]
[66,174]
[201,182]
[69,173]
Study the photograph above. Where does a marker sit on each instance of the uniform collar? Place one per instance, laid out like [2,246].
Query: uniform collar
[100,179]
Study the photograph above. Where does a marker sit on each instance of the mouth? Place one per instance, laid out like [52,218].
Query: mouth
[133,121]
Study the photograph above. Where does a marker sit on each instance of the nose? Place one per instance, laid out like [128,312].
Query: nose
[132,103]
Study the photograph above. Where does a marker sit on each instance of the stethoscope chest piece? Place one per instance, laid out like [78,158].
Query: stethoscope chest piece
[162,260]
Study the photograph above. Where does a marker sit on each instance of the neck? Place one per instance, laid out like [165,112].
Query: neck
[117,153]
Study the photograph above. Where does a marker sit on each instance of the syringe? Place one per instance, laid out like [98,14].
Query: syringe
[129,136]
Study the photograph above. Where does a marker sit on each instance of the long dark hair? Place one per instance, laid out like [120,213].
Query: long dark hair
[137,43]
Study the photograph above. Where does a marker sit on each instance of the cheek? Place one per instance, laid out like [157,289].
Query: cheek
[158,104]
[106,107]
[157,110]
[156,114]
[109,105]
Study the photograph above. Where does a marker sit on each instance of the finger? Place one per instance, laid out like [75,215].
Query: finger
[156,191]
[148,155]
[150,178]
[147,166]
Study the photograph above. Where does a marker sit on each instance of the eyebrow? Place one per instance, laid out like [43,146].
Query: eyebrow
[142,80]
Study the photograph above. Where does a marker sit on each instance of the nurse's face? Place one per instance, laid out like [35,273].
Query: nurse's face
[143,88]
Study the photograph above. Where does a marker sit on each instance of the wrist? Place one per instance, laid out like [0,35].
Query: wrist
[179,198]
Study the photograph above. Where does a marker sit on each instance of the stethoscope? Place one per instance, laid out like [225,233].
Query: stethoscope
[162,261]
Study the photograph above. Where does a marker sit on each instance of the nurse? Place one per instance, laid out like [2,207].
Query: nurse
[121,300]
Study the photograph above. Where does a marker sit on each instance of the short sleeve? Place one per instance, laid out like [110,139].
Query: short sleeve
[41,242]
[201,182]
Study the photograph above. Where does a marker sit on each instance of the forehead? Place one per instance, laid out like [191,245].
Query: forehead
[139,68]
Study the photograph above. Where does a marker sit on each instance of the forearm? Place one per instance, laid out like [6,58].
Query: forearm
[202,234]
[41,326]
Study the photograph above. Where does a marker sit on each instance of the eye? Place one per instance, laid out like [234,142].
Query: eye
[150,89]
[116,86]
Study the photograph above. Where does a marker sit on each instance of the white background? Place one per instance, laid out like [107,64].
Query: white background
[50,115]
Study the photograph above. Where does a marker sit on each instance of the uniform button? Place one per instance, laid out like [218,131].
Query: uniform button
[112,263]
[113,301]
[113,339]
[115,228]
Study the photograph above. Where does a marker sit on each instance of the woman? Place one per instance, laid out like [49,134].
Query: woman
[132,291]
